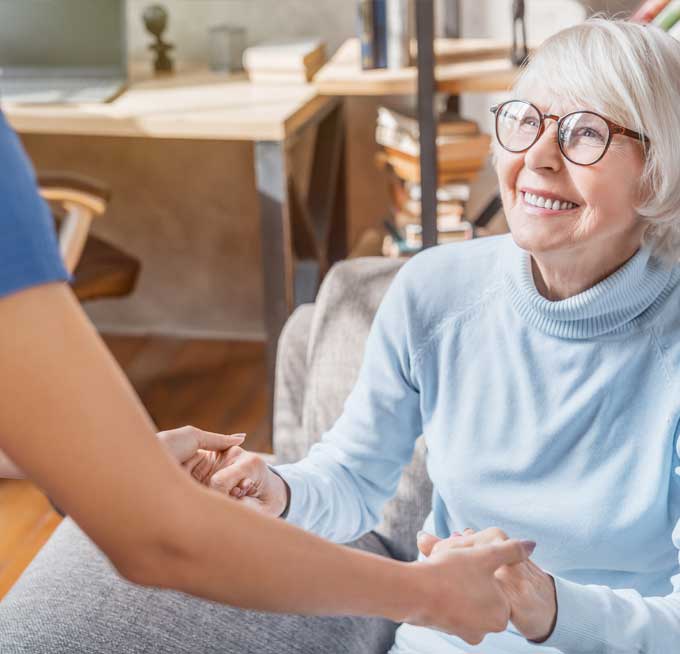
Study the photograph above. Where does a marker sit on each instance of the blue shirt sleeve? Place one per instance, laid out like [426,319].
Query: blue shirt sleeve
[29,254]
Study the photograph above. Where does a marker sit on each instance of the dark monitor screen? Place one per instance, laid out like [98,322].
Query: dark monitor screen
[62,34]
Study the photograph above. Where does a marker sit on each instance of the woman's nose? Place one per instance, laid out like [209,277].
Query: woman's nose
[545,153]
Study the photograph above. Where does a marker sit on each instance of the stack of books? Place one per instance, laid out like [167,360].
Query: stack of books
[662,13]
[462,151]
[404,230]
[291,61]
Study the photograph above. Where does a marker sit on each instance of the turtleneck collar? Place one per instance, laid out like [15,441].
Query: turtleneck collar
[613,305]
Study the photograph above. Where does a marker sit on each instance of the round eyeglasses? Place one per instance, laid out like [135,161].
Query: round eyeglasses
[583,136]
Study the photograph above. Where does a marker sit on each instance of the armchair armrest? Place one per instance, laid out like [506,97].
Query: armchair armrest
[82,199]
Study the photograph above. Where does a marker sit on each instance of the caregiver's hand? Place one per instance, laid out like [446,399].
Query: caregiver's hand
[198,451]
[464,595]
[530,590]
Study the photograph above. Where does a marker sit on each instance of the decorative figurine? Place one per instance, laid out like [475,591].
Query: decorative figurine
[519,54]
[156,20]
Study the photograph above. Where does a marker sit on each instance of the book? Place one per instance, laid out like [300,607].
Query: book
[445,193]
[448,148]
[444,223]
[365,30]
[409,124]
[398,33]
[648,11]
[299,55]
[279,77]
[675,31]
[409,211]
[668,16]
[463,161]
[413,234]
[409,171]
[379,33]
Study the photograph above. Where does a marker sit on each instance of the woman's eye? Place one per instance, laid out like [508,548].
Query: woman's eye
[589,133]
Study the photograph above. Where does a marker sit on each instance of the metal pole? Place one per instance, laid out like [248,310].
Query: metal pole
[452,30]
[427,121]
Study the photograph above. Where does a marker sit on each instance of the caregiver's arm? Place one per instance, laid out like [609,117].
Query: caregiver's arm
[70,420]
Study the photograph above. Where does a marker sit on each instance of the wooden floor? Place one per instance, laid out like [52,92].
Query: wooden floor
[215,385]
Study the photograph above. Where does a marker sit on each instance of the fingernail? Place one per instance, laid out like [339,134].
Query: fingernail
[457,534]
[421,534]
[239,435]
[529,546]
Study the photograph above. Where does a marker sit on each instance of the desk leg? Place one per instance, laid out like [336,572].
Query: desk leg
[277,253]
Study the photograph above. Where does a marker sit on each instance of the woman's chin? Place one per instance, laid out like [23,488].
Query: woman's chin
[537,239]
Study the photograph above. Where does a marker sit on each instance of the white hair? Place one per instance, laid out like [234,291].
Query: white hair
[629,73]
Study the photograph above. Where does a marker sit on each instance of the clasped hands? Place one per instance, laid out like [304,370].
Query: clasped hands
[476,582]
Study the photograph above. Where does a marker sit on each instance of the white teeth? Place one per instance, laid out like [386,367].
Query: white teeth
[553,205]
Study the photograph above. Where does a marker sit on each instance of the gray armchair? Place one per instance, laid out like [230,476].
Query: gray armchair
[71,601]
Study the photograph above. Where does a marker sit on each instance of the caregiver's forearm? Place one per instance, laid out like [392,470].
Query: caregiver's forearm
[8,470]
[71,421]
[599,620]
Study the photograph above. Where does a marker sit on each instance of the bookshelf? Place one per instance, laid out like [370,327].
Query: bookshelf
[469,65]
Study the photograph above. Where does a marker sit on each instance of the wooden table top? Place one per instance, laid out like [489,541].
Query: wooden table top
[198,105]
[480,65]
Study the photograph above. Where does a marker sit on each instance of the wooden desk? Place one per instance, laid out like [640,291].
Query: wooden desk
[297,232]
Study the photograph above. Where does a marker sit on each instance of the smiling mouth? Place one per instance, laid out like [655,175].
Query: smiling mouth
[547,204]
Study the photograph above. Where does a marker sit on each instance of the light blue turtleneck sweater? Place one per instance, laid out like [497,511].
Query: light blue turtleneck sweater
[556,421]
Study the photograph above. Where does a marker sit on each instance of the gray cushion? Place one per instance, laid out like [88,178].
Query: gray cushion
[71,601]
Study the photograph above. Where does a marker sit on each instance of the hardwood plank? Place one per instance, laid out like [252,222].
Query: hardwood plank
[31,545]
[21,506]
[215,385]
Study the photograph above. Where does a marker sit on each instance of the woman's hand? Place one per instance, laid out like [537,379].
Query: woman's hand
[530,590]
[198,451]
[244,476]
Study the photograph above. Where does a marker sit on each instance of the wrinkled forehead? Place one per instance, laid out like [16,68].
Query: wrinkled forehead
[553,101]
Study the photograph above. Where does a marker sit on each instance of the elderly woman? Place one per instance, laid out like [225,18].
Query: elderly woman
[539,367]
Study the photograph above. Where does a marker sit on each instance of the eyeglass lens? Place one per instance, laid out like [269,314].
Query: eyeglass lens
[583,136]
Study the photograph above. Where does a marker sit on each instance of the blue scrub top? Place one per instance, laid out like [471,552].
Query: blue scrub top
[29,253]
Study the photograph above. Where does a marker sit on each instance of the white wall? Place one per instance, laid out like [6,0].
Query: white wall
[190,20]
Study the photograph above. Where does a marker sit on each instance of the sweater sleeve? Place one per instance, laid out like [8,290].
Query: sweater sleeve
[599,620]
[338,491]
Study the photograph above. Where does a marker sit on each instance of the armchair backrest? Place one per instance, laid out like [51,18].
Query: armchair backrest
[338,328]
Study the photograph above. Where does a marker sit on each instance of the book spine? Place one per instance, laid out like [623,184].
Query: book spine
[668,16]
[398,55]
[648,11]
[365,30]
[675,31]
[380,33]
